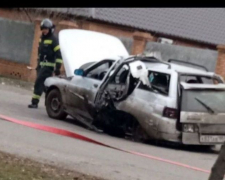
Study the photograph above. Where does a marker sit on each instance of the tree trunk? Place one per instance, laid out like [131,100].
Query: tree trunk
[218,169]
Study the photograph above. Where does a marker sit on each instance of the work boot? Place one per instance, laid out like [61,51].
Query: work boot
[32,106]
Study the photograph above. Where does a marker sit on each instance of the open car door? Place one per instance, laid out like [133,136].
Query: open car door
[79,47]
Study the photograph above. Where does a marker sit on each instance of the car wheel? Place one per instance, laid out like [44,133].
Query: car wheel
[139,135]
[54,105]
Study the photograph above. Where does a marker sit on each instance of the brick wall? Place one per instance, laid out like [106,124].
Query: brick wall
[220,67]
[140,39]
[19,70]
[14,70]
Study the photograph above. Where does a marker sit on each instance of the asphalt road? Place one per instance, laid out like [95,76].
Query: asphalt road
[86,157]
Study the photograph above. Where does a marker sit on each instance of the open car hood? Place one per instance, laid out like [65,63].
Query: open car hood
[81,46]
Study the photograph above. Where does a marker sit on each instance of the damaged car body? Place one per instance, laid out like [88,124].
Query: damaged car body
[139,96]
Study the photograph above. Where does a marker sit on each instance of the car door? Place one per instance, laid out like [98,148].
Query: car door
[86,86]
[147,103]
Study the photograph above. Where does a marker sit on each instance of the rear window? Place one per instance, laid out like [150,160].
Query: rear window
[203,101]
[160,83]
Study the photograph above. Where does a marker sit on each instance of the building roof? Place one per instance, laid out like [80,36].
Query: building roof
[206,25]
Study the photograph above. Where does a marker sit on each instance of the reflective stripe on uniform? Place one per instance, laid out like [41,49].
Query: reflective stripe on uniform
[48,41]
[35,96]
[39,40]
[56,48]
[59,61]
[47,64]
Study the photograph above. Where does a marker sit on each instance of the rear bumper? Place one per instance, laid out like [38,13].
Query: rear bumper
[211,134]
[194,139]
[190,138]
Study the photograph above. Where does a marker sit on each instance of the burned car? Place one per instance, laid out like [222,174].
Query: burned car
[139,96]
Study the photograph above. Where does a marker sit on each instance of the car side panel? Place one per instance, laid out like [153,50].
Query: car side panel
[76,90]
[147,107]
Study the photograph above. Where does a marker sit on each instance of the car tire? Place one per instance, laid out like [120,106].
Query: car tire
[139,135]
[54,105]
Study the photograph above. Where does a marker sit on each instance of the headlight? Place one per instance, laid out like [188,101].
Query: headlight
[190,128]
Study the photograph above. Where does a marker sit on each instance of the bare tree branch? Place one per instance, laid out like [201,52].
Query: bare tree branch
[27,14]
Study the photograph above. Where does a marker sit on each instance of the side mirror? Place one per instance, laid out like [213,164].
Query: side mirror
[79,72]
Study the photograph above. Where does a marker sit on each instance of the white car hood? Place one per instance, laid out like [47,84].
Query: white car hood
[81,46]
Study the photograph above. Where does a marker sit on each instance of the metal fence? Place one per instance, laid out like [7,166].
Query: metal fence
[16,40]
[204,57]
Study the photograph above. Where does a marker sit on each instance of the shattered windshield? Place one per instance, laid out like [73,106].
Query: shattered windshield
[211,101]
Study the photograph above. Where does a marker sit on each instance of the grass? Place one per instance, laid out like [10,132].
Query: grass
[17,168]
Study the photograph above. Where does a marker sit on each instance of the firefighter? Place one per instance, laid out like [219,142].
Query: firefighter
[49,60]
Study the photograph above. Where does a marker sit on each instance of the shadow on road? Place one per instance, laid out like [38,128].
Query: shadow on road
[189,148]
[161,144]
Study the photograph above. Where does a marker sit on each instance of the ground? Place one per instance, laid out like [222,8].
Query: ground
[16,168]
[90,159]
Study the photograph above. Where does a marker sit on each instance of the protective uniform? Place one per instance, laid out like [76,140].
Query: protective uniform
[49,60]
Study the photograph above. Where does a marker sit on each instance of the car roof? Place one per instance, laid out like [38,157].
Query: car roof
[183,67]
[178,68]
[156,65]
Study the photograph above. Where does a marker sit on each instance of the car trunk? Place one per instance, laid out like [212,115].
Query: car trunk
[203,106]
